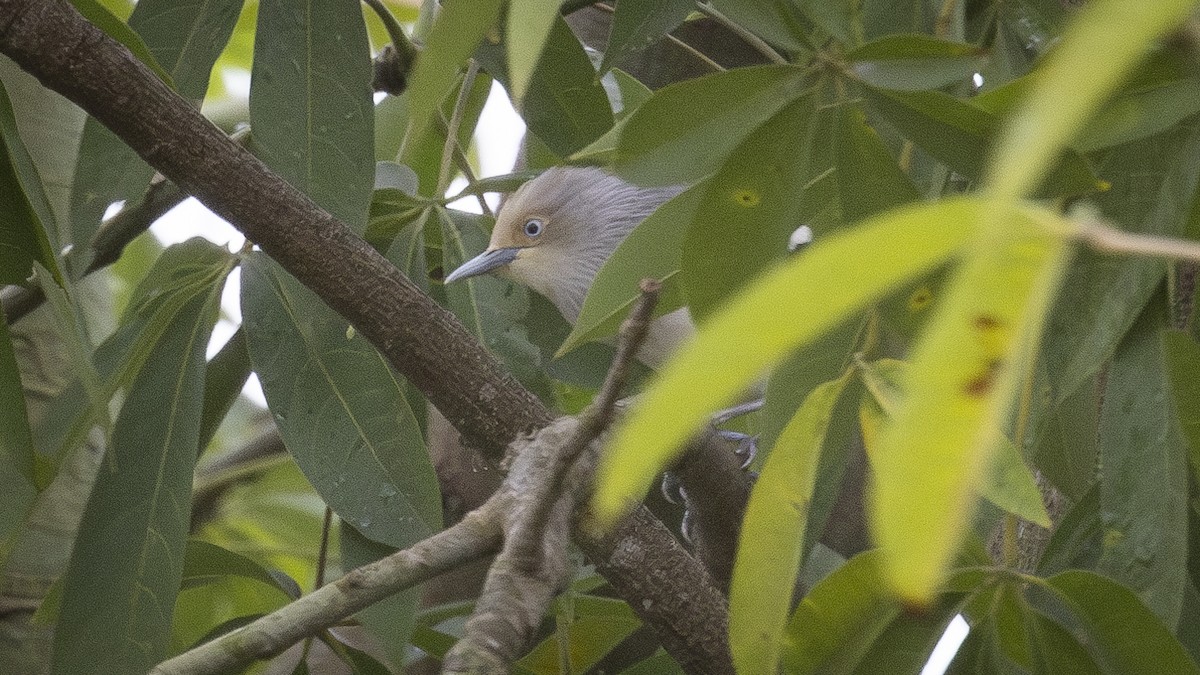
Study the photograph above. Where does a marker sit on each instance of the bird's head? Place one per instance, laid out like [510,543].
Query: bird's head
[555,232]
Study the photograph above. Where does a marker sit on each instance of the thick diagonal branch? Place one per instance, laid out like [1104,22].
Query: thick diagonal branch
[421,340]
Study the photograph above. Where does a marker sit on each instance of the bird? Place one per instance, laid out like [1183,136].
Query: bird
[556,231]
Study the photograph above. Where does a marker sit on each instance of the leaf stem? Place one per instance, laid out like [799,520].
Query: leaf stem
[751,39]
[695,53]
[395,31]
[1109,239]
[452,128]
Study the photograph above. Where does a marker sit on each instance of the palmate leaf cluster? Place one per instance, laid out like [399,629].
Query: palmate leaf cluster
[948,157]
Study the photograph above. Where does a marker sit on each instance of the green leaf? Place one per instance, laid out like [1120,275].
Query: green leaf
[737,345]
[508,182]
[153,306]
[806,368]
[126,568]
[836,18]
[593,627]
[632,93]
[50,127]
[1077,539]
[224,378]
[964,375]
[652,251]
[773,533]
[529,25]
[422,152]
[1010,485]
[876,18]
[659,664]
[16,440]
[749,209]
[205,563]
[776,21]
[839,619]
[565,106]
[458,30]
[82,402]
[392,619]
[906,644]
[17,489]
[913,62]
[686,130]
[321,143]
[1143,476]
[339,407]
[1065,440]
[28,225]
[393,176]
[960,135]
[279,496]
[186,39]
[868,178]
[360,662]
[1008,622]
[1119,632]
[1057,651]
[1141,113]
[1008,482]
[1089,64]
[1105,293]
[637,24]
[116,29]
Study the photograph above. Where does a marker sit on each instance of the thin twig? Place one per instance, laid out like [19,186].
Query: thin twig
[464,94]
[695,53]
[472,538]
[1112,240]
[751,39]
[548,480]
[110,240]
[394,62]
[527,541]
[464,165]
[395,31]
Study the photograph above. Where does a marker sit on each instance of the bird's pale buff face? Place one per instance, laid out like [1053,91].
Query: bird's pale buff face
[555,232]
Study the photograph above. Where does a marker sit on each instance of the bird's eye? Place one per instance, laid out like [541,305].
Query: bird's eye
[533,227]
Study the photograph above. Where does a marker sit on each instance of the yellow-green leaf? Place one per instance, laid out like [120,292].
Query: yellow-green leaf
[772,535]
[1008,483]
[963,376]
[785,308]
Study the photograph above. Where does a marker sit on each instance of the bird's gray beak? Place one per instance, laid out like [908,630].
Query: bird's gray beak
[484,262]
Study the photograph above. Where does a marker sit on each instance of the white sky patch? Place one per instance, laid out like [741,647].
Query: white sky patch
[947,647]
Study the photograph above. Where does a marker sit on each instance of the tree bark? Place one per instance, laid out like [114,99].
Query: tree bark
[424,342]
